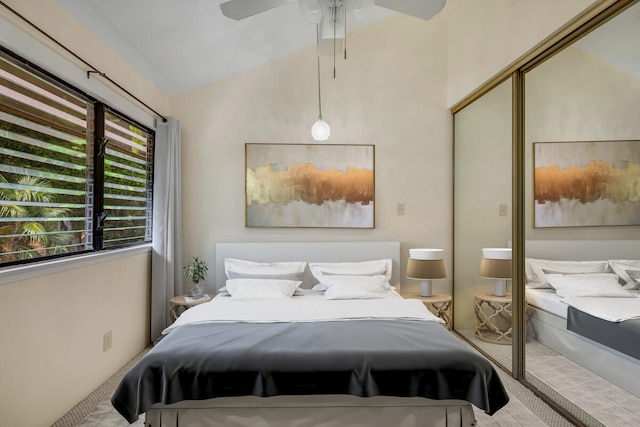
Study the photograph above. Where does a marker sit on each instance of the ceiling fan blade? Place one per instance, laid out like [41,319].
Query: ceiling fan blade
[240,9]
[425,9]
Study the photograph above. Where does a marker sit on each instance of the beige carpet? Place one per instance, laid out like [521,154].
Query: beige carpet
[99,397]
[606,402]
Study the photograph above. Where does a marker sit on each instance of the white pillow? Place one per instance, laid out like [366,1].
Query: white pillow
[588,285]
[298,292]
[625,269]
[537,269]
[363,290]
[243,289]
[238,269]
[373,281]
[361,268]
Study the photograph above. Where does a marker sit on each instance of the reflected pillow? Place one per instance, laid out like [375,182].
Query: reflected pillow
[536,270]
[588,285]
[634,274]
[623,268]
[260,289]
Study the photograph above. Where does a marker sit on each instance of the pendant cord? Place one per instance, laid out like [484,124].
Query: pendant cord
[335,17]
[345,33]
[318,58]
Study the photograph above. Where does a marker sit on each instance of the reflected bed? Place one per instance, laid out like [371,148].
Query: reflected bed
[575,325]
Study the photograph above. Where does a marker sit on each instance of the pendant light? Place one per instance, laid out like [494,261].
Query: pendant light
[320,131]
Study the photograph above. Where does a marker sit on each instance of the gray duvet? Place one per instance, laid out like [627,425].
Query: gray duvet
[359,357]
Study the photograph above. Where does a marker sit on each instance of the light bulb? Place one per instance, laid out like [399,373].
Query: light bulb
[320,131]
[311,10]
[359,9]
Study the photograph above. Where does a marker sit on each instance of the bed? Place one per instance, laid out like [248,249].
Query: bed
[306,359]
[600,330]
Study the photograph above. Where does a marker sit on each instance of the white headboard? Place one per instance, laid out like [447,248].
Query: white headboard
[587,250]
[306,251]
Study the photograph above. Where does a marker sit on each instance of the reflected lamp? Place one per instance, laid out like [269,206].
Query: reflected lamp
[496,264]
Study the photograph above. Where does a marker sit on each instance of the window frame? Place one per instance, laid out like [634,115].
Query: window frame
[96,121]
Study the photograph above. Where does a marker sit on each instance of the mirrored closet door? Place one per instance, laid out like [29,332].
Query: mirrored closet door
[582,166]
[575,168]
[482,222]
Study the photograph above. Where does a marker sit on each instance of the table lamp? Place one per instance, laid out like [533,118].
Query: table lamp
[425,264]
[496,264]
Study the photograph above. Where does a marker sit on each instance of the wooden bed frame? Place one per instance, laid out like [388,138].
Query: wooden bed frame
[551,330]
[328,410]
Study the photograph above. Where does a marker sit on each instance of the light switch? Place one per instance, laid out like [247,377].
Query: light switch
[503,210]
[400,208]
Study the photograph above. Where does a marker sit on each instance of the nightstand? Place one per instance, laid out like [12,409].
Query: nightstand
[438,304]
[493,318]
[179,304]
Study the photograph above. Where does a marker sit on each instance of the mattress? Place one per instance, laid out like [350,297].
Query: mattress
[621,336]
[309,346]
[547,300]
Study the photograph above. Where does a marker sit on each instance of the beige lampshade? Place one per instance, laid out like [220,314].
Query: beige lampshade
[495,268]
[426,269]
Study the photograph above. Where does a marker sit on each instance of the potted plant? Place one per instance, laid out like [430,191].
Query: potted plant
[196,270]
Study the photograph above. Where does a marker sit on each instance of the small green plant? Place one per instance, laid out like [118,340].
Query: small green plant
[196,270]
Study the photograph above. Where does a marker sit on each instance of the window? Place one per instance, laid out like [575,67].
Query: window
[75,176]
[127,182]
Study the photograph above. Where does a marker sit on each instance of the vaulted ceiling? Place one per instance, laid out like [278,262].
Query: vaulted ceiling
[182,44]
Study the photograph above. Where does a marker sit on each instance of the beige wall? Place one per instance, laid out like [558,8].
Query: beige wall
[52,331]
[391,92]
[52,326]
[486,36]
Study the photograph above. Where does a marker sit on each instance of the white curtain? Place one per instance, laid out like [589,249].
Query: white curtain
[166,268]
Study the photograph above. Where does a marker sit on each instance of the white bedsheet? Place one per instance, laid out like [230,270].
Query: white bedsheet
[307,308]
[611,309]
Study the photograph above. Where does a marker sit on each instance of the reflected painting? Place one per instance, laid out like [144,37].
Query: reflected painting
[586,183]
[309,185]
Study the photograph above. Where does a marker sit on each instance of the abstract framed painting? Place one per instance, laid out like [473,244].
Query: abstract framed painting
[585,184]
[309,185]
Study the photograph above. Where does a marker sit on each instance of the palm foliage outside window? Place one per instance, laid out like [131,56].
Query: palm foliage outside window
[75,175]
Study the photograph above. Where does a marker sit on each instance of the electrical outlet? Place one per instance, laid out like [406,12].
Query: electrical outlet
[503,210]
[106,341]
[400,208]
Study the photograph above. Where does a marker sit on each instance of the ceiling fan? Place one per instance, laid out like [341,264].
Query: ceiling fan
[330,15]
[240,9]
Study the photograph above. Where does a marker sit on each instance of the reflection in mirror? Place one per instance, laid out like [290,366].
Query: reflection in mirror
[583,343]
[482,222]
